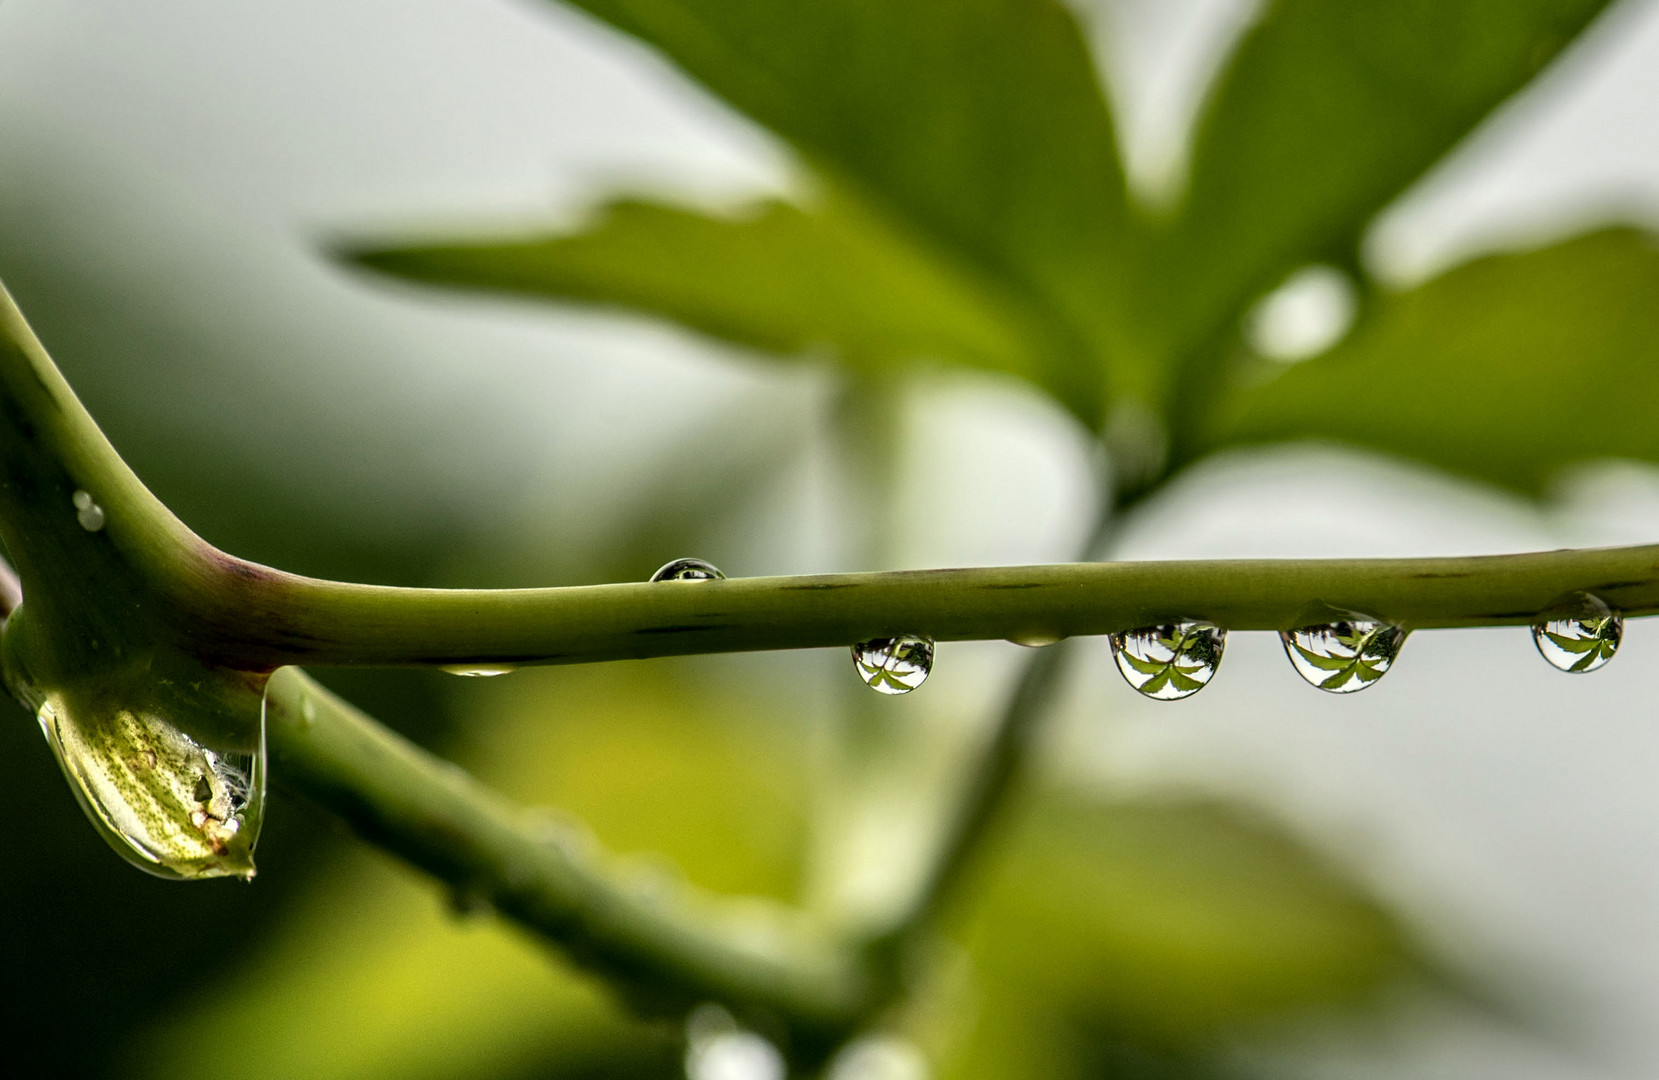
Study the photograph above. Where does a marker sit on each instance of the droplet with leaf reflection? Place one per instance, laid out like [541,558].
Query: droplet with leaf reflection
[1580,635]
[166,758]
[1343,655]
[894,665]
[1171,661]
[688,570]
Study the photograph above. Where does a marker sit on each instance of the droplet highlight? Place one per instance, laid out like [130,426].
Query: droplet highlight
[1036,640]
[479,671]
[1172,661]
[1579,636]
[688,570]
[1345,655]
[894,665]
[87,511]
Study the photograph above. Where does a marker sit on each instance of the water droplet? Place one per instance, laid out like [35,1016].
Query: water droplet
[688,570]
[1172,661]
[1037,641]
[479,671]
[1581,635]
[166,802]
[88,512]
[894,665]
[1344,655]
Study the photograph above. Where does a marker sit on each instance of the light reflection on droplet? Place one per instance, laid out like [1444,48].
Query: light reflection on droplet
[87,511]
[879,1057]
[894,665]
[479,671]
[1344,655]
[1172,661]
[688,570]
[1579,636]
[1036,640]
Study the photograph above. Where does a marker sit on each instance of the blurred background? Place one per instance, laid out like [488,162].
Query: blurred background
[1453,875]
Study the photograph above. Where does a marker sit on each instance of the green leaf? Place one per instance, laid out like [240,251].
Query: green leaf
[1326,113]
[1505,369]
[978,126]
[1149,931]
[775,278]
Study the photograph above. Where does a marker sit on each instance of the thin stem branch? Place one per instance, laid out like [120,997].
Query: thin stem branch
[652,937]
[262,618]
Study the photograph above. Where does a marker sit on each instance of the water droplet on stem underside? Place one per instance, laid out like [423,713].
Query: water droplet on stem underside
[894,665]
[1344,655]
[1172,661]
[1580,635]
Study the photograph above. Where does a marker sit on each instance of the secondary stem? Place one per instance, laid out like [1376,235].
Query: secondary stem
[668,941]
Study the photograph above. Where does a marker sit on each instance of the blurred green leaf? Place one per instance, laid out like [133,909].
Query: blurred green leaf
[1147,932]
[1493,370]
[776,278]
[1327,111]
[977,127]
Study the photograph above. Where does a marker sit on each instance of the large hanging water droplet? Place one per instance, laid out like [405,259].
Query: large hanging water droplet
[1581,635]
[166,757]
[1344,655]
[894,665]
[163,800]
[688,570]
[1172,661]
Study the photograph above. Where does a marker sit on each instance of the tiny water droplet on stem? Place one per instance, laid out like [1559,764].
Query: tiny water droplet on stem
[479,671]
[1344,655]
[1580,635]
[894,665]
[1172,661]
[688,570]
[87,511]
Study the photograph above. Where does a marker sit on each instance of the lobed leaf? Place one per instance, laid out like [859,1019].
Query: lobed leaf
[777,278]
[1504,370]
[1326,113]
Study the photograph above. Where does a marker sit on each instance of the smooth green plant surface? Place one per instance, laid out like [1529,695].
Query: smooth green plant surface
[964,205]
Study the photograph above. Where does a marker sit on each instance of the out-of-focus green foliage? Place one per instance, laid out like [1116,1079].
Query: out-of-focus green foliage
[1505,369]
[775,278]
[975,126]
[1141,929]
[978,127]
[1326,112]
[1151,930]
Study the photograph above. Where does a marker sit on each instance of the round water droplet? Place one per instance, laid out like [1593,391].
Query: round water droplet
[87,512]
[895,665]
[1172,661]
[1581,635]
[479,671]
[688,570]
[1344,655]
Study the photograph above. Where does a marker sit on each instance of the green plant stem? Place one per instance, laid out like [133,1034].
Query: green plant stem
[651,936]
[263,618]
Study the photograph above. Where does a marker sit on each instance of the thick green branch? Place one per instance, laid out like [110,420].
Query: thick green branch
[645,934]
